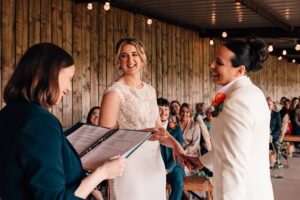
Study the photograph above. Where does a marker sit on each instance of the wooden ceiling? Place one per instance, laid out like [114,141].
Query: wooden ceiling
[275,21]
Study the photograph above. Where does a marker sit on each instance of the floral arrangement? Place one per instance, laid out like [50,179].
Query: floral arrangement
[217,103]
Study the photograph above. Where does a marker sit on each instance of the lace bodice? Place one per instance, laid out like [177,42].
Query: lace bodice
[145,168]
[138,109]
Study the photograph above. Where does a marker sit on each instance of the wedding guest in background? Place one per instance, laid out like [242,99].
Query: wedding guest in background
[209,117]
[200,111]
[174,114]
[294,103]
[286,108]
[275,129]
[132,104]
[281,103]
[93,116]
[175,173]
[240,132]
[37,161]
[191,131]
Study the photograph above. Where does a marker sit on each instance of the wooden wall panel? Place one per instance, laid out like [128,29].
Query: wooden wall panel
[8,43]
[56,27]
[94,63]
[85,61]
[46,31]
[102,52]
[159,80]
[178,60]
[67,45]
[77,100]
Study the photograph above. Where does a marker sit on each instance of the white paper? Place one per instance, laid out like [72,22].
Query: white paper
[122,142]
[85,136]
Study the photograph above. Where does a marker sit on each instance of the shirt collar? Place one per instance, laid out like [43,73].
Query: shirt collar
[228,85]
[165,125]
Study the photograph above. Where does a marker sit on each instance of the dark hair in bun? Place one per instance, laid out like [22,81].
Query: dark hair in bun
[251,53]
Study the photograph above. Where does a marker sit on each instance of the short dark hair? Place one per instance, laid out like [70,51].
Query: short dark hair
[88,119]
[251,53]
[163,102]
[36,76]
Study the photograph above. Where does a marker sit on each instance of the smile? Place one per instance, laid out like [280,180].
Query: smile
[131,66]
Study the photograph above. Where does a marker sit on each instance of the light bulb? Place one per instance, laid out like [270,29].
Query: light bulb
[211,42]
[280,58]
[224,34]
[270,48]
[294,60]
[90,6]
[149,21]
[297,47]
[107,6]
[284,52]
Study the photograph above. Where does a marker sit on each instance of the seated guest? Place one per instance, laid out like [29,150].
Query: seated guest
[175,173]
[93,116]
[174,114]
[209,117]
[285,109]
[275,128]
[280,105]
[191,131]
[294,103]
[200,111]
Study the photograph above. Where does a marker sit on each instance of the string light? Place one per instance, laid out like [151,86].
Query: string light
[224,34]
[107,6]
[284,52]
[297,47]
[294,60]
[149,21]
[270,48]
[280,58]
[211,42]
[90,6]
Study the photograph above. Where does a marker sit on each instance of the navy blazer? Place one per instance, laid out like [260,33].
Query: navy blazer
[275,125]
[37,161]
[166,152]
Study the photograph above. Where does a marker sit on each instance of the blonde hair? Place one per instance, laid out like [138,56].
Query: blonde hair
[139,47]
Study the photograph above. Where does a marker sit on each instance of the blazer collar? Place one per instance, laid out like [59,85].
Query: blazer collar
[239,83]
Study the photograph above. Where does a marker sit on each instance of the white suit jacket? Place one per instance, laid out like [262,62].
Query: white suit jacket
[240,145]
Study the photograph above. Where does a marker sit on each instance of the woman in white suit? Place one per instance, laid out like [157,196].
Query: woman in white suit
[240,132]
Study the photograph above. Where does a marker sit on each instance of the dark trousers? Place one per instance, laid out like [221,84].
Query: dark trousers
[175,179]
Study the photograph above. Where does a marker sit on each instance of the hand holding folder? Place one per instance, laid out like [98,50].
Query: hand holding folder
[95,144]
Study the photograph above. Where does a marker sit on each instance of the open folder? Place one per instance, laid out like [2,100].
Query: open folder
[95,144]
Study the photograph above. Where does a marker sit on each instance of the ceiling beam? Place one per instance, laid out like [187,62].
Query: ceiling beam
[251,32]
[264,12]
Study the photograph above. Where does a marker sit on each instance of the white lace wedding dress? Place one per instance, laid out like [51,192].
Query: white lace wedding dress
[144,177]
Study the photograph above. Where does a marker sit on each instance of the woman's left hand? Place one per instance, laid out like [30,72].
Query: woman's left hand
[159,134]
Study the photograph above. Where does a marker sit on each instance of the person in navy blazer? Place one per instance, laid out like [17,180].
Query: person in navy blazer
[175,173]
[37,161]
[275,123]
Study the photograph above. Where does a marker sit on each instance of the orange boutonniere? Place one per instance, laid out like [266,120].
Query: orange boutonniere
[172,125]
[217,102]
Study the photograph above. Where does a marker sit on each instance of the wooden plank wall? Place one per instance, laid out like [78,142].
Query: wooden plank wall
[178,60]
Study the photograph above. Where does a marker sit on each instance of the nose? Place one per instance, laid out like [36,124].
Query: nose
[212,65]
[130,59]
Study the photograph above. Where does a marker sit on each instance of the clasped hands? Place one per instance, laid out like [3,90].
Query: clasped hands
[192,163]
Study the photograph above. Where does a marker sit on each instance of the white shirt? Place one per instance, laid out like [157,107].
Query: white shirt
[165,125]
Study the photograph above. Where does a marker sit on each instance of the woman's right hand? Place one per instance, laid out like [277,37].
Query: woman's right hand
[113,167]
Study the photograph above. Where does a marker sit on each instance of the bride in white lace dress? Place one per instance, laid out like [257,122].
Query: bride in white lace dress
[131,103]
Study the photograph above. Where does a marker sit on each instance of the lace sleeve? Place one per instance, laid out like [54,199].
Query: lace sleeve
[116,88]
